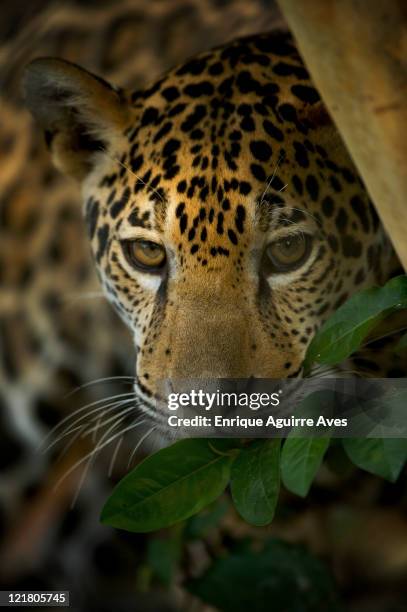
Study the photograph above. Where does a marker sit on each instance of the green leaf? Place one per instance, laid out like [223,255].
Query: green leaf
[302,455]
[346,329]
[381,417]
[300,461]
[255,481]
[170,486]
[282,577]
[380,456]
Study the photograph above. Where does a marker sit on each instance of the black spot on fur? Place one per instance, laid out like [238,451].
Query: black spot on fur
[180,209]
[240,217]
[246,83]
[333,243]
[232,236]
[328,206]
[359,208]
[301,155]
[351,247]
[219,227]
[341,220]
[92,216]
[297,184]
[176,110]
[216,69]
[244,187]
[306,93]
[103,235]
[118,206]
[258,172]
[150,115]
[335,184]
[163,131]
[360,276]
[193,118]
[183,223]
[170,94]
[195,67]
[136,220]
[247,124]
[136,163]
[273,131]
[284,69]
[171,146]
[261,150]
[196,90]
[312,186]
[278,44]
[288,113]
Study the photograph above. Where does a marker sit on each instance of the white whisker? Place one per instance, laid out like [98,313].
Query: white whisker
[139,443]
[99,447]
[98,381]
[306,212]
[71,428]
[109,420]
[269,181]
[88,457]
[69,444]
[114,456]
[82,409]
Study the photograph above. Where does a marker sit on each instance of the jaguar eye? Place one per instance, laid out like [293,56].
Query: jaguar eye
[289,252]
[144,254]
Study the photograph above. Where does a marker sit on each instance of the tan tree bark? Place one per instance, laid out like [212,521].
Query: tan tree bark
[356,52]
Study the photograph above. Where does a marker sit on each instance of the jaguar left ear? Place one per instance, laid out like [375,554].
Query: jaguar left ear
[79,112]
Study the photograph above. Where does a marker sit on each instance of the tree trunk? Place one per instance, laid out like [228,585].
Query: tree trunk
[356,52]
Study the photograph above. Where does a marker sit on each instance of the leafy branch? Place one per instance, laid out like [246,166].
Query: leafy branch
[178,481]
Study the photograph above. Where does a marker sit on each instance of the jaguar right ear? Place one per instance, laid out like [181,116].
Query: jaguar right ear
[80,113]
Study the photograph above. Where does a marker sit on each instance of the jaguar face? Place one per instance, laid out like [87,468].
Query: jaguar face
[226,218]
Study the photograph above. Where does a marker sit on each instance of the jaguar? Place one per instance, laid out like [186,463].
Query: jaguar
[226,217]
